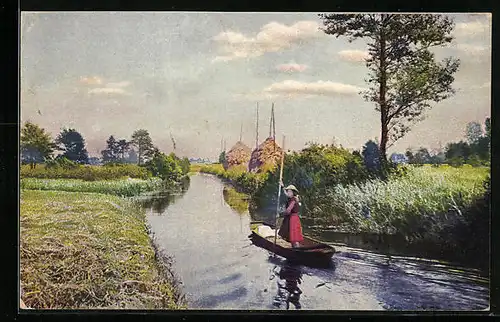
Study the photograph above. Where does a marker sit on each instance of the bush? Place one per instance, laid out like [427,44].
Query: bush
[167,167]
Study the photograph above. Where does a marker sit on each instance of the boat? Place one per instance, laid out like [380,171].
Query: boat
[310,253]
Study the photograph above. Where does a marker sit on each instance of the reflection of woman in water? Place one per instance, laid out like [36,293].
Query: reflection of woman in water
[288,290]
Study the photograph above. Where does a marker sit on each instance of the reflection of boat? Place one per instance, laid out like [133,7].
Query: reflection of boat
[311,252]
[288,289]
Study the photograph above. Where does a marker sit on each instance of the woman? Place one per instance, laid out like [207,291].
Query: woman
[291,229]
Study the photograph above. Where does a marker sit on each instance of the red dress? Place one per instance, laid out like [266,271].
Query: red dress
[291,229]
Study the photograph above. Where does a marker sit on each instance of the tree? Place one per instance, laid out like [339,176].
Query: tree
[371,156]
[422,156]
[132,156]
[473,132]
[165,166]
[110,154]
[36,144]
[142,141]
[122,148]
[404,77]
[457,153]
[409,154]
[222,157]
[72,143]
[487,126]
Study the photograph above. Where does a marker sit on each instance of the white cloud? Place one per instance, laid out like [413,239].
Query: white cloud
[107,90]
[272,37]
[353,55]
[95,80]
[291,67]
[327,88]
[119,84]
[473,28]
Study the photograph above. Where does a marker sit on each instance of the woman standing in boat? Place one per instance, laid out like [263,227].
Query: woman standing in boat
[291,229]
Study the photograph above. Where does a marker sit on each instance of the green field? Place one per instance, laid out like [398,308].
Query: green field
[125,188]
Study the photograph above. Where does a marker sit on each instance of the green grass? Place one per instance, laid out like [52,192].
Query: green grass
[81,250]
[125,188]
[238,175]
[424,192]
[86,172]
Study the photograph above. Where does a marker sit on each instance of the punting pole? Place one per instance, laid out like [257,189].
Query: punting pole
[279,194]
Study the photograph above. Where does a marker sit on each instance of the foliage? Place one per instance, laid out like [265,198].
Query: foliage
[36,144]
[61,162]
[405,204]
[145,148]
[116,150]
[63,169]
[124,188]
[81,251]
[371,157]
[474,132]
[222,157]
[404,77]
[167,167]
[72,144]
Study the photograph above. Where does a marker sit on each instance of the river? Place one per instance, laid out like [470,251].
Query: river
[220,268]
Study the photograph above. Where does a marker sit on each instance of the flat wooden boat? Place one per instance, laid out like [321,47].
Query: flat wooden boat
[310,253]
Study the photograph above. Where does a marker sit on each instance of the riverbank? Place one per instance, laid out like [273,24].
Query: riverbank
[87,250]
[431,210]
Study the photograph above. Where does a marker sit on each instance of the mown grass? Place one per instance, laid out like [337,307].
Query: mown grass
[86,172]
[387,206]
[81,250]
[125,188]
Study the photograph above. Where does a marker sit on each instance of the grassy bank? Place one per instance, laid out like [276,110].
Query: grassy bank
[83,250]
[236,200]
[390,206]
[85,172]
[125,188]
[248,182]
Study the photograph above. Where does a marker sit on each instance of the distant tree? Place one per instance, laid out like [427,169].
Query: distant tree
[409,154]
[110,154]
[132,156]
[422,156]
[222,157]
[123,148]
[473,132]
[164,166]
[36,144]
[145,148]
[72,143]
[457,153]
[404,76]
[372,157]
[487,125]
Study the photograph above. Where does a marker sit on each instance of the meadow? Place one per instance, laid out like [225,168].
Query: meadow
[81,250]
[85,244]
[85,172]
[124,187]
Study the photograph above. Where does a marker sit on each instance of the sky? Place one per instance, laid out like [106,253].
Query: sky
[201,75]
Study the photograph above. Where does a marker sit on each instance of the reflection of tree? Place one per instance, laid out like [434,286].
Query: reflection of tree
[288,290]
[158,203]
[236,200]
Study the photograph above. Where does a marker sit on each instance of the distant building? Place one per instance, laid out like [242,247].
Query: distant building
[199,160]
[399,158]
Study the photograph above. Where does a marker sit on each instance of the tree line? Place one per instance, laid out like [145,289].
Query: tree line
[37,146]
[475,150]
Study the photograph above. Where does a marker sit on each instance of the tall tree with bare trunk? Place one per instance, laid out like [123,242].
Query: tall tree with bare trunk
[404,76]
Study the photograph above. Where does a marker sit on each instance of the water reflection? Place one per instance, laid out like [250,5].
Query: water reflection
[236,200]
[290,276]
[159,201]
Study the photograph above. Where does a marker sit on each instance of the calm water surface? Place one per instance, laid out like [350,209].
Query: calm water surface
[221,269]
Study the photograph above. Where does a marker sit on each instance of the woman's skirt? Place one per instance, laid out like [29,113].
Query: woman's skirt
[291,229]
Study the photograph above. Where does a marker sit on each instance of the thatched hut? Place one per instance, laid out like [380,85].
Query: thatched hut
[238,155]
[267,153]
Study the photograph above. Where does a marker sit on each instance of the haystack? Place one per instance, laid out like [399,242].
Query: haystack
[238,155]
[267,153]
